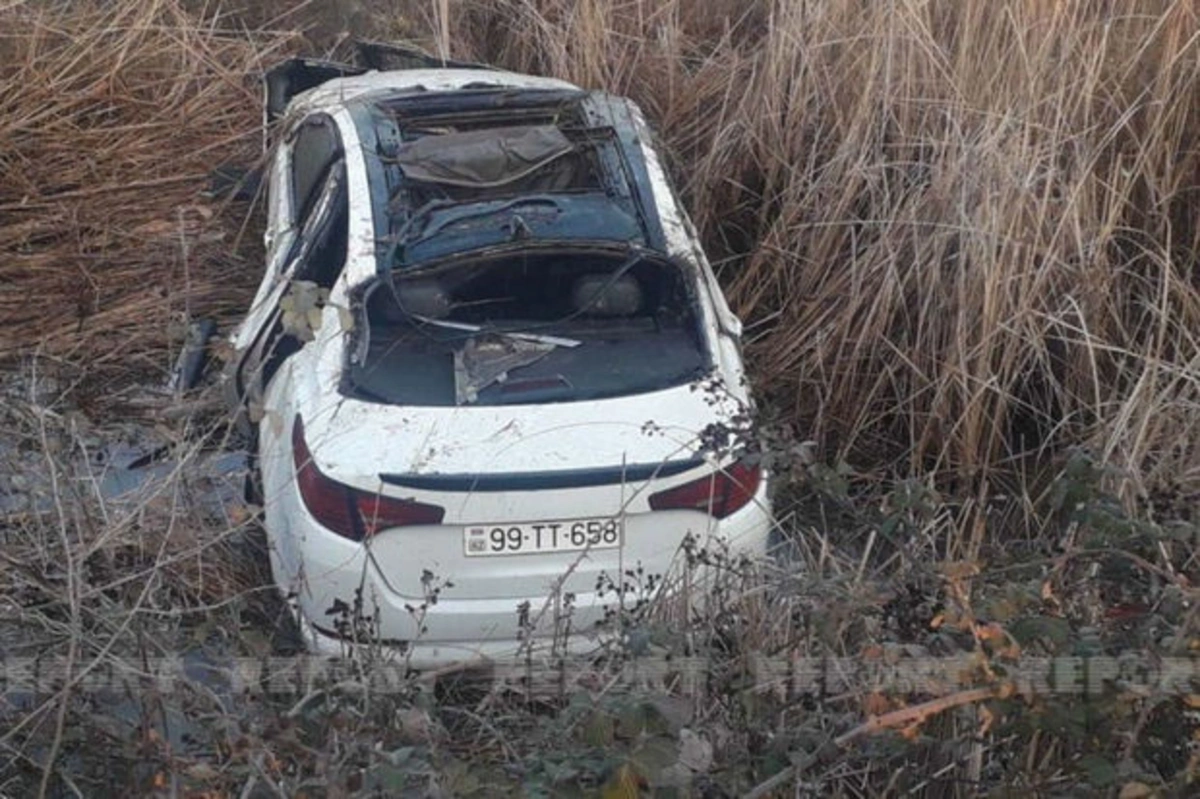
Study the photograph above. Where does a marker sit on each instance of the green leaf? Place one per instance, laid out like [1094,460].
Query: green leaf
[676,712]
[598,731]
[400,756]
[459,779]
[656,755]
[392,779]
[639,717]
[1100,772]
[623,784]
[1051,630]
[559,773]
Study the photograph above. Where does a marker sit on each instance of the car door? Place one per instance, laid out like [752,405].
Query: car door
[306,240]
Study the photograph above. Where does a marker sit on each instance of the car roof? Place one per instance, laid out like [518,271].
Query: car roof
[631,205]
[620,208]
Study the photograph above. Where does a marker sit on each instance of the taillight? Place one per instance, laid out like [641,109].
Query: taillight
[347,511]
[719,494]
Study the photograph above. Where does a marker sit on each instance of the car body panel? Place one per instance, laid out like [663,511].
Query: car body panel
[339,91]
[396,568]
[644,428]
[593,459]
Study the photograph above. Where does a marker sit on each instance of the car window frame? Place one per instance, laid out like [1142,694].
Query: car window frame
[321,122]
[292,236]
[283,222]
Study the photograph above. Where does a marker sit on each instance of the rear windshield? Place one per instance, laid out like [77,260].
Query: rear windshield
[527,328]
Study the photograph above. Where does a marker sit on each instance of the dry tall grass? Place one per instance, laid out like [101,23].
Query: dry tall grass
[112,116]
[959,231]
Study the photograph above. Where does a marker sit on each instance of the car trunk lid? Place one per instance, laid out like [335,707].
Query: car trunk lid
[506,448]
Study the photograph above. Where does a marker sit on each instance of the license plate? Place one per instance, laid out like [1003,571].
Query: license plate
[483,540]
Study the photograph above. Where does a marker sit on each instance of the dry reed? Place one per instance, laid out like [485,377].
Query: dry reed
[960,232]
[112,118]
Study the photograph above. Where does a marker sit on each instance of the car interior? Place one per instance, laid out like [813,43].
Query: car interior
[528,328]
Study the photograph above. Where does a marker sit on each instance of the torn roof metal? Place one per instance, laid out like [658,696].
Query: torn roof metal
[441,146]
[610,201]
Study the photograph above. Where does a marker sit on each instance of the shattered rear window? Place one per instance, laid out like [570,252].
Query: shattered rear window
[527,328]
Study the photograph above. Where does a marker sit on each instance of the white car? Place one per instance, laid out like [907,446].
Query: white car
[489,369]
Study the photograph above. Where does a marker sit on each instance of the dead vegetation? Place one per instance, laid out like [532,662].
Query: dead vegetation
[960,234]
[112,120]
[964,237]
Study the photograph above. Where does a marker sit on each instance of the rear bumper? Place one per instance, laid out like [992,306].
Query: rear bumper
[428,655]
[328,576]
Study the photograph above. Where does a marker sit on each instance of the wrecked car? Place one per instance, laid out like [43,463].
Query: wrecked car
[489,370]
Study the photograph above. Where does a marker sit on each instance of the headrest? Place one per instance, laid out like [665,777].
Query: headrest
[601,295]
[424,297]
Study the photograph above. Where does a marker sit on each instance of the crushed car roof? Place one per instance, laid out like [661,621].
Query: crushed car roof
[463,159]
[485,167]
